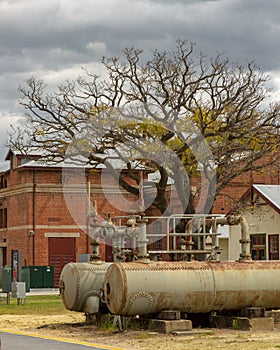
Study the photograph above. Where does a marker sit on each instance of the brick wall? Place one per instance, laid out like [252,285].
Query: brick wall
[38,200]
[229,196]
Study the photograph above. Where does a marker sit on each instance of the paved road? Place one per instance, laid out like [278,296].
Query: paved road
[15,341]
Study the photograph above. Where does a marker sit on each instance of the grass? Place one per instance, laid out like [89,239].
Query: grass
[35,305]
[107,324]
[235,324]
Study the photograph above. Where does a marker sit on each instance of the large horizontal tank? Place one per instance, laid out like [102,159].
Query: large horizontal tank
[141,288]
[80,285]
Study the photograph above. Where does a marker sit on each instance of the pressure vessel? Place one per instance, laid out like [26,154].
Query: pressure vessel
[145,287]
[80,285]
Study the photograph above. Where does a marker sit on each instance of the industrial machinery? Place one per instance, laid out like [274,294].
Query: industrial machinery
[80,285]
[146,287]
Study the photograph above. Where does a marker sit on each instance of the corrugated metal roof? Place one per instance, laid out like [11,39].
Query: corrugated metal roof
[80,162]
[270,192]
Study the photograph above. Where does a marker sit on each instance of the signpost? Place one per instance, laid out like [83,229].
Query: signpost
[16,265]
[18,287]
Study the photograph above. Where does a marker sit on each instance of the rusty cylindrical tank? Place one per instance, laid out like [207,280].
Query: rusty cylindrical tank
[80,285]
[195,287]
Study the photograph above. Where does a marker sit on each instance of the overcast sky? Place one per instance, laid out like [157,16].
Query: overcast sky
[54,39]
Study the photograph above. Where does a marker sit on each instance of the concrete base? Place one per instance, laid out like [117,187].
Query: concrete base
[275,314]
[164,326]
[262,324]
[244,323]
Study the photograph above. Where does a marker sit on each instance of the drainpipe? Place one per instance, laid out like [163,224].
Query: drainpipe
[33,216]
[88,212]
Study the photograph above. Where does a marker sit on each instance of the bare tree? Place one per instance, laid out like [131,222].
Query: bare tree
[177,113]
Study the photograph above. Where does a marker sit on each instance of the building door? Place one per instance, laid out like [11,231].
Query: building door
[273,246]
[62,250]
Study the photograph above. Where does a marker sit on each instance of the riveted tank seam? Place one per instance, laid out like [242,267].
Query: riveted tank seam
[125,284]
[76,305]
[214,295]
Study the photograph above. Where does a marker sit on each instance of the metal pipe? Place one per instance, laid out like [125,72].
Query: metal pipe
[34,215]
[245,235]
[142,239]
[245,240]
[88,213]
[229,220]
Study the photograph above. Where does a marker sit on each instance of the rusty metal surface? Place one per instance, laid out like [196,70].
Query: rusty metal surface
[149,287]
[80,285]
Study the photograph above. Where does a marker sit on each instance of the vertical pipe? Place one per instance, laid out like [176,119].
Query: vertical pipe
[204,232]
[142,239]
[245,240]
[33,215]
[141,193]
[167,233]
[245,236]
[88,213]
[214,238]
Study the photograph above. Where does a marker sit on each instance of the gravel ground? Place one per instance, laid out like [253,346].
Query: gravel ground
[72,326]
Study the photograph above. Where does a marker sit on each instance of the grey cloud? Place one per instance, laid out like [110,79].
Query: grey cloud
[55,38]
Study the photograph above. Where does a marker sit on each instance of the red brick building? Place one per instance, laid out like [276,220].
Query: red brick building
[43,211]
[232,193]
